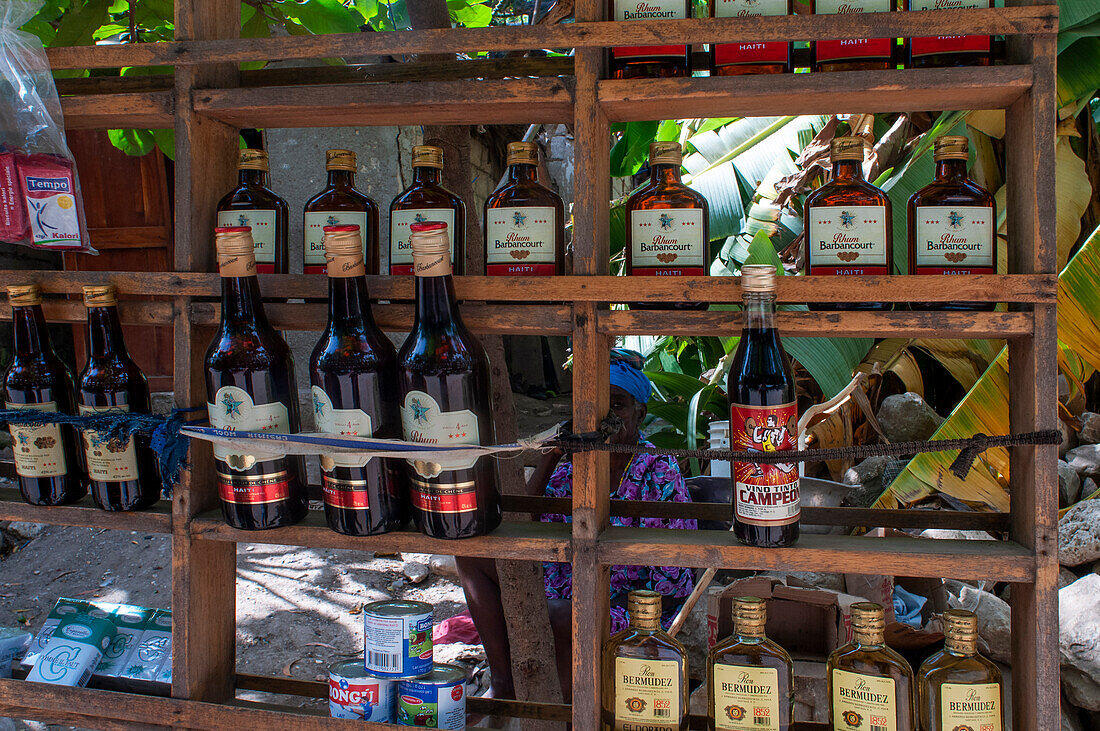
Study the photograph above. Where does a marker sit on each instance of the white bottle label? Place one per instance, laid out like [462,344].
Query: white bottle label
[745,698]
[647,694]
[521,240]
[234,410]
[971,705]
[346,422]
[315,223]
[109,460]
[262,224]
[954,237]
[649,10]
[667,242]
[863,702]
[38,450]
[848,240]
[423,422]
[401,253]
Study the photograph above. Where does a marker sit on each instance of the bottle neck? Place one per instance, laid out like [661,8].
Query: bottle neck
[29,335]
[435,303]
[964,646]
[425,175]
[951,169]
[868,638]
[341,179]
[847,170]
[253,178]
[645,623]
[241,304]
[523,173]
[759,310]
[750,632]
[662,173]
[105,333]
[348,305]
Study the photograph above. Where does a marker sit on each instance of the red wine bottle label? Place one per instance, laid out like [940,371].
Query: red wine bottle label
[441,497]
[345,422]
[254,489]
[345,494]
[955,240]
[38,450]
[233,409]
[521,241]
[864,702]
[262,223]
[948,44]
[848,240]
[852,48]
[401,253]
[315,222]
[109,460]
[750,53]
[746,698]
[971,706]
[667,242]
[649,10]
[423,422]
[765,494]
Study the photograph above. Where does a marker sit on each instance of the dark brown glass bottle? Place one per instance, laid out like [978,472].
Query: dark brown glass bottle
[948,50]
[250,386]
[952,223]
[252,203]
[47,458]
[353,370]
[638,62]
[866,54]
[524,221]
[848,224]
[123,474]
[736,59]
[764,418]
[667,226]
[446,398]
[426,200]
[340,204]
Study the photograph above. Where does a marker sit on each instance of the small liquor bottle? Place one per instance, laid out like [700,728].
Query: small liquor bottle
[354,374]
[848,223]
[948,50]
[645,682]
[524,221]
[426,200]
[47,459]
[340,204]
[255,205]
[735,59]
[123,474]
[870,687]
[862,54]
[750,679]
[952,223]
[959,688]
[667,224]
[763,417]
[635,62]
[446,399]
[250,386]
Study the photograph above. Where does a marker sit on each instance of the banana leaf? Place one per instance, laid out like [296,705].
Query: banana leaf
[1079,302]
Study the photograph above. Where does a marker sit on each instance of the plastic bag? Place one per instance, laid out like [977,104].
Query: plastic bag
[40,203]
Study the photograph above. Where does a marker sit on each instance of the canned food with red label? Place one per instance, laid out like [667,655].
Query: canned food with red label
[355,693]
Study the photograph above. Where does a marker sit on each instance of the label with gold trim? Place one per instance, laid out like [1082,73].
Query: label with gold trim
[233,409]
[433,497]
[745,698]
[975,706]
[647,694]
[38,450]
[254,489]
[864,702]
[349,494]
[109,460]
[520,240]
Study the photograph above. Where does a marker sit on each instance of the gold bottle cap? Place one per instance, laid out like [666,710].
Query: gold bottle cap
[846,148]
[868,617]
[24,295]
[951,147]
[236,251]
[960,629]
[427,156]
[250,159]
[431,249]
[344,251]
[665,153]
[644,608]
[100,295]
[340,160]
[750,614]
[758,278]
[523,153]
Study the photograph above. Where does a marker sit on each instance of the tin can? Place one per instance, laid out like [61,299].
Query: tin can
[12,642]
[398,638]
[74,651]
[437,700]
[355,693]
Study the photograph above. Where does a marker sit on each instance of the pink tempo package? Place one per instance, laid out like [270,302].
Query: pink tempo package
[53,206]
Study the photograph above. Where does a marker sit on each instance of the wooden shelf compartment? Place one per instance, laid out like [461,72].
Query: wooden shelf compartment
[130,312]
[152,109]
[157,519]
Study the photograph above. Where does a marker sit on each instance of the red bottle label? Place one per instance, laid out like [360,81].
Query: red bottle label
[649,10]
[750,53]
[349,494]
[852,48]
[765,494]
[254,489]
[948,44]
[457,497]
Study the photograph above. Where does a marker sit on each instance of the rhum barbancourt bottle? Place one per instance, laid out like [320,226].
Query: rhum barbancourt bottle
[948,50]
[340,204]
[763,418]
[253,204]
[426,200]
[852,54]
[958,688]
[767,57]
[636,62]
[524,221]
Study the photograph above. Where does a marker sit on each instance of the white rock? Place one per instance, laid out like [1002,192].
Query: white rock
[26,530]
[1085,460]
[956,535]
[415,571]
[1079,641]
[443,565]
[1090,428]
[905,417]
[1069,485]
[1079,534]
[994,617]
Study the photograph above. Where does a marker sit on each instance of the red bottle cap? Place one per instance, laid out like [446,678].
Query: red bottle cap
[232,229]
[428,226]
[342,227]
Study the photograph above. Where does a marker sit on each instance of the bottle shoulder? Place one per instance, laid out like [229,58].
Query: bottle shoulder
[340,199]
[847,193]
[252,197]
[945,667]
[426,196]
[523,193]
[953,193]
[663,197]
[732,647]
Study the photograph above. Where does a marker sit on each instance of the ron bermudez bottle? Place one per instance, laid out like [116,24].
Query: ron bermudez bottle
[524,220]
[250,386]
[446,399]
[339,204]
[426,200]
[253,204]
[959,688]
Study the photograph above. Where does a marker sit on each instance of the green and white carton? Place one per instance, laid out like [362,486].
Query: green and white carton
[130,622]
[151,650]
[63,609]
[74,651]
[12,643]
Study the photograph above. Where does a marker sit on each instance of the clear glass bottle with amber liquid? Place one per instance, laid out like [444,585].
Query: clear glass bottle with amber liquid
[763,57]
[667,226]
[640,62]
[353,370]
[763,418]
[446,399]
[958,688]
[47,458]
[645,682]
[123,473]
[934,51]
[250,386]
[426,200]
[339,204]
[252,203]
[750,679]
[524,221]
[853,54]
[870,687]
[848,224]
[952,223]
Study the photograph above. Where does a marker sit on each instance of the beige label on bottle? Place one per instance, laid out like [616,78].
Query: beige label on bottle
[971,707]
[401,253]
[262,224]
[745,698]
[315,223]
[109,460]
[863,702]
[649,10]
[38,450]
[647,694]
[832,7]
[423,422]
[954,236]
[848,240]
[234,410]
[749,8]
[670,239]
[346,422]
[520,236]
[947,4]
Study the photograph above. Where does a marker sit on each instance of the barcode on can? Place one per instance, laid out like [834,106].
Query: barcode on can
[382,660]
[762,721]
[84,677]
[662,712]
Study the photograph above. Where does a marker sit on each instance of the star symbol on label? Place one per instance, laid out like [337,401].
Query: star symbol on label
[419,218]
[420,412]
[847,219]
[666,221]
[331,221]
[954,219]
[519,218]
[242,220]
[318,405]
[232,405]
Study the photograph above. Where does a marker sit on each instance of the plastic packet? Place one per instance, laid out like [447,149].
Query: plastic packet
[40,202]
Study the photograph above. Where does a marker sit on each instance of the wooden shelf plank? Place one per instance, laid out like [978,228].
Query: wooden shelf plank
[157,519]
[125,110]
[130,312]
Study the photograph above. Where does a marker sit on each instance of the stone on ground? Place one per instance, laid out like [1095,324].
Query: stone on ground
[1079,641]
[905,417]
[1079,534]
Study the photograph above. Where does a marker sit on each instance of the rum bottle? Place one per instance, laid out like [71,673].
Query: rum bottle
[959,688]
[635,62]
[252,203]
[250,386]
[848,224]
[750,679]
[763,418]
[948,50]
[859,54]
[446,399]
[952,223]
[426,200]
[645,681]
[123,473]
[762,57]
[524,220]
[47,458]
[870,687]
[340,204]
[353,370]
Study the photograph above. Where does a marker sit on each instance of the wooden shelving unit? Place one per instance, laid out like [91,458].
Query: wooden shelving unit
[207,99]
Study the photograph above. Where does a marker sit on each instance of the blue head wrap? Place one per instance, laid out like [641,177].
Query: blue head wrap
[626,373]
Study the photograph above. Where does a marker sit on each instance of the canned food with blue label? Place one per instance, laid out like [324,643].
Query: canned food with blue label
[437,700]
[398,637]
[355,693]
